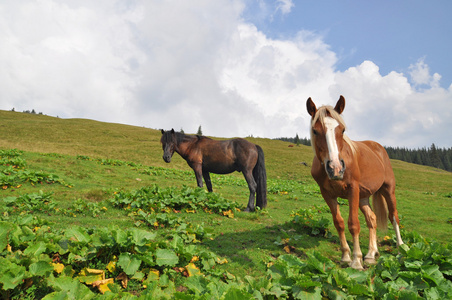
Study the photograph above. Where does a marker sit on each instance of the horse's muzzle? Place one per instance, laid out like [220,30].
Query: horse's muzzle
[167,158]
[335,171]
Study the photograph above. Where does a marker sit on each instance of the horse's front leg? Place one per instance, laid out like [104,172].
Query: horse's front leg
[354,228]
[252,185]
[340,227]
[371,221]
[206,176]
[198,173]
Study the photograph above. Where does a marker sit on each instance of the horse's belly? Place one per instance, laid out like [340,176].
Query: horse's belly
[219,169]
[366,189]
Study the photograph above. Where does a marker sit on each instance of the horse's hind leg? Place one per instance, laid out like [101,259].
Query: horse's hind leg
[371,221]
[393,215]
[252,185]
[206,176]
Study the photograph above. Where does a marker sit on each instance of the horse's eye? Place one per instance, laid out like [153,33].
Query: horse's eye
[314,132]
[343,130]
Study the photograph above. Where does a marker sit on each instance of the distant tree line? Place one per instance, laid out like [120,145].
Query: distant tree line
[440,158]
[28,111]
[296,140]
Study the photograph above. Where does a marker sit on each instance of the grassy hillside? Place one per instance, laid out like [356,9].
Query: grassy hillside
[39,133]
[96,160]
[418,187]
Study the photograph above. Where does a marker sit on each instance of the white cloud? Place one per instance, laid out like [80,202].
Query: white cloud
[420,74]
[285,6]
[183,64]
[63,61]
[276,76]
[390,110]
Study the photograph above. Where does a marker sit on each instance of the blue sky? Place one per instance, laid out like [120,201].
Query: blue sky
[235,67]
[392,34]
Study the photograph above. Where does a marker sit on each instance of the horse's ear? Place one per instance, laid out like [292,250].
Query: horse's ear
[340,105]
[163,131]
[310,106]
[172,130]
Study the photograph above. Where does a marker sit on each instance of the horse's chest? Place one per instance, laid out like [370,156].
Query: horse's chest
[338,188]
[344,190]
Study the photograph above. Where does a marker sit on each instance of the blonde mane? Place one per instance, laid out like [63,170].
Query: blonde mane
[320,115]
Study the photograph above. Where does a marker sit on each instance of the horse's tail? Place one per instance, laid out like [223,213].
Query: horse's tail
[260,176]
[380,210]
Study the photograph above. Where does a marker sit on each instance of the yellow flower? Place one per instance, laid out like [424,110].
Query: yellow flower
[192,269]
[111,267]
[57,267]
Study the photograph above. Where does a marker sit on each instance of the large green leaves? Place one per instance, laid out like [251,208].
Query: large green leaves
[35,249]
[174,263]
[165,257]
[78,234]
[5,228]
[68,288]
[11,274]
[149,199]
[141,237]
[41,268]
[129,263]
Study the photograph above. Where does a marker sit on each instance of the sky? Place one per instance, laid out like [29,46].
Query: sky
[236,68]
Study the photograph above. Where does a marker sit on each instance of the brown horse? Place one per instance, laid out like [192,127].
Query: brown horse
[354,171]
[205,156]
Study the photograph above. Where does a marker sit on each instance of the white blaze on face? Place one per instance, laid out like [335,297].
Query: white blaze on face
[330,126]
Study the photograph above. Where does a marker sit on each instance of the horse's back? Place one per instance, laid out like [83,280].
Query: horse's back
[232,147]
[376,149]
[243,144]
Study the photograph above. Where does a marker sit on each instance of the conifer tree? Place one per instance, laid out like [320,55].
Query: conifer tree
[297,140]
[435,159]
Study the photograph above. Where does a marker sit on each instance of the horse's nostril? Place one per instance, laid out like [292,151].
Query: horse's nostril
[328,164]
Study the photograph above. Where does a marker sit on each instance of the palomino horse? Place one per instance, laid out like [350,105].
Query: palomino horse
[354,171]
[205,156]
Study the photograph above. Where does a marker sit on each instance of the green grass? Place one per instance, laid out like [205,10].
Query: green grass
[248,241]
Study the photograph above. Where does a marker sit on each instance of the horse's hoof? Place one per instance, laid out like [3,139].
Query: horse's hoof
[370,261]
[346,259]
[248,209]
[371,258]
[356,265]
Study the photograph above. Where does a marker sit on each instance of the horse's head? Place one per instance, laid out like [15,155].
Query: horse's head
[327,136]
[169,142]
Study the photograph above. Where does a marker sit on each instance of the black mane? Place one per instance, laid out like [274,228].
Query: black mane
[180,137]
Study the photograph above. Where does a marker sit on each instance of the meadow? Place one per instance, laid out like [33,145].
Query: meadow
[90,209]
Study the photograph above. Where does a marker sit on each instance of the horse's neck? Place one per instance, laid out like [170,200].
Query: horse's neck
[184,147]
